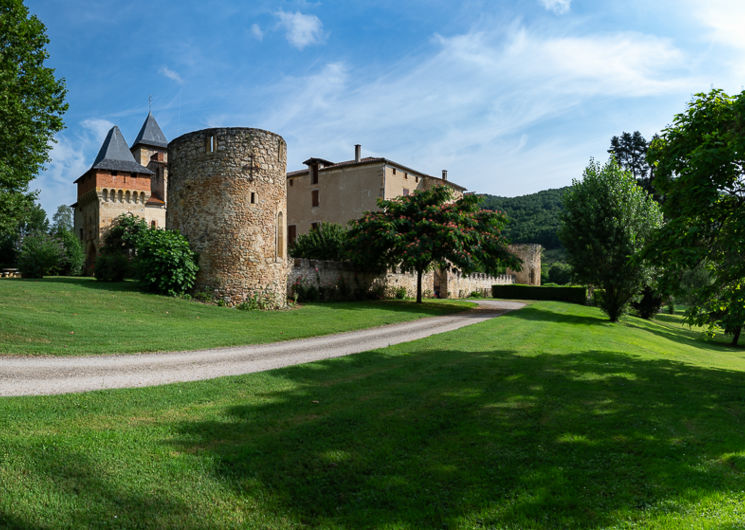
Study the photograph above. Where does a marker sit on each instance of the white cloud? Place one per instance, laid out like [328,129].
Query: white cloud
[301,30]
[170,74]
[98,127]
[256,32]
[557,6]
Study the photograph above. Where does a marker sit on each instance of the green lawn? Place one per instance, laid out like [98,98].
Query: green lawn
[546,417]
[80,316]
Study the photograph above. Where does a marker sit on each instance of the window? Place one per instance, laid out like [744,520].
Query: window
[314,226]
[416,179]
[291,182]
[211,143]
[314,174]
[291,235]
[394,170]
[152,224]
[314,197]
[406,175]
[280,236]
[253,197]
[406,192]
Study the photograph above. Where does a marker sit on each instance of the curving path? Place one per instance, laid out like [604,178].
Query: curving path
[33,376]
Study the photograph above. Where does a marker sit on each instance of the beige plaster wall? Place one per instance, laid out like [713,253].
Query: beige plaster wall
[343,194]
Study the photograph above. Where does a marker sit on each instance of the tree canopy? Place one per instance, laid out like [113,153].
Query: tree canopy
[32,102]
[699,164]
[427,229]
[532,218]
[607,221]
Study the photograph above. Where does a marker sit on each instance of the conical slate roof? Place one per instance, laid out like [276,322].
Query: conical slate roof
[116,156]
[150,134]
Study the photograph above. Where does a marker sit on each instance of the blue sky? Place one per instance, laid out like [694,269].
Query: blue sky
[510,97]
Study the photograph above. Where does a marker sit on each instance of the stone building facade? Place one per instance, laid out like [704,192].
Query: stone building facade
[228,196]
[122,180]
[339,192]
[530,254]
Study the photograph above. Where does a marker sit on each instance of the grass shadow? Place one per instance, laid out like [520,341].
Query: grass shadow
[481,438]
[86,282]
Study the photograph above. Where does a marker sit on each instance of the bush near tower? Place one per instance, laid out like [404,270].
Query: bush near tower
[426,229]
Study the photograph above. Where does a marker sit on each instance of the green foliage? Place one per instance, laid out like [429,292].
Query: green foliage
[31,108]
[40,255]
[699,162]
[532,218]
[123,234]
[560,273]
[649,303]
[328,242]
[607,221]
[630,151]
[72,263]
[574,294]
[399,293]
[112,267]
[31,218]
[420,231]
[165,262]
[62,219]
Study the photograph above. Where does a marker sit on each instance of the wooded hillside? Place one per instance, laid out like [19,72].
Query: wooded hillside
[532,218]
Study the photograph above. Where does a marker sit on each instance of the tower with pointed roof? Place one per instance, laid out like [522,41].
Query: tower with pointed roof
[122,180]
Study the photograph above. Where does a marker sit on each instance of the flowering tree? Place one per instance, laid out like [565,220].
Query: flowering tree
[423,230]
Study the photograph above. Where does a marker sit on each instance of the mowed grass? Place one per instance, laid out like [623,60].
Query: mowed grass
[80,316]
[546,417]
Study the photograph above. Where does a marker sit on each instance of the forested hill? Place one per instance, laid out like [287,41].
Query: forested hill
[533,218]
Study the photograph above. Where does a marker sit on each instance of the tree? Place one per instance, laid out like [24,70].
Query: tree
[32,102]
[425,230]
[699,164]
[62,219]
[327,242]
[630,150]
[607,220]
[34,220]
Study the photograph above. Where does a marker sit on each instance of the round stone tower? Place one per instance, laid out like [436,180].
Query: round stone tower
[227,194]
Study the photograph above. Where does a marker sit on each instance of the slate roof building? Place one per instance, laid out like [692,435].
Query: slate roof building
[122,179]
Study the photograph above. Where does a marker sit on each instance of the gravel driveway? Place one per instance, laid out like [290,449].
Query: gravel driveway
[33,376]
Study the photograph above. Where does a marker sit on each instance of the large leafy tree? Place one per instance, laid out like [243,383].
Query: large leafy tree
[427,229]
[699,164]
[606,223]
[630,151]
[32,101]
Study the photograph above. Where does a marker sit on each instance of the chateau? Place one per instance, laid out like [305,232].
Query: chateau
[122,179]
[227,191]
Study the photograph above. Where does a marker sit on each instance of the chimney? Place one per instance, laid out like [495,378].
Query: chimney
[357,152]
[444,174]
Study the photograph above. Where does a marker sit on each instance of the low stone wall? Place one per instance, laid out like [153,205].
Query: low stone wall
[460,286]
[343,278]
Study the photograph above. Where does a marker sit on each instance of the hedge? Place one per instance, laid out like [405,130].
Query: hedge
[573,294]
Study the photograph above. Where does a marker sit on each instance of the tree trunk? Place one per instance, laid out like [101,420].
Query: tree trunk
[736,336]
[418,287]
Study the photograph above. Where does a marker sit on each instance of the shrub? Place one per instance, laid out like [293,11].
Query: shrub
[399,293]
[111,267]
[165,262]
[649,303]
[327,242]
[303,291]
[40,254]
[573,294]
[123,234]
[560,273]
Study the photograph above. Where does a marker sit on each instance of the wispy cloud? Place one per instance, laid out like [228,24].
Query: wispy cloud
[557,6]
[301,30]
[170,74]
[469,100]
[256,31]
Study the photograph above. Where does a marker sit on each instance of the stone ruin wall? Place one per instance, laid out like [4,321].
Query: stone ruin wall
[227,195]
[530,254]
[333,274]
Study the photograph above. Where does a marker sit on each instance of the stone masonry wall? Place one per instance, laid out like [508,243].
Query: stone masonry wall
[227,195]
[530,254]
[334,274]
